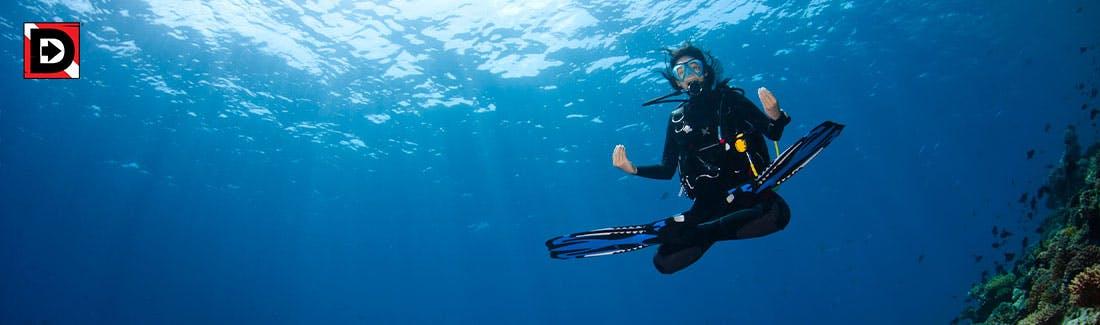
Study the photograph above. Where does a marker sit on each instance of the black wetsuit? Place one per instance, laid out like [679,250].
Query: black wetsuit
[708,170]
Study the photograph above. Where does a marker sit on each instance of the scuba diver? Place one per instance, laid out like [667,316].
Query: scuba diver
[716,138]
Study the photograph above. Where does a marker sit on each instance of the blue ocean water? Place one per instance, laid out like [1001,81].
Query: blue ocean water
[337,162]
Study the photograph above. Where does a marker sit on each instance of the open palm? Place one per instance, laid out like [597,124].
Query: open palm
[771,106]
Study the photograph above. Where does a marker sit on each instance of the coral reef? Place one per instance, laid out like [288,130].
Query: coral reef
[1047,314]
[1058,280]
[995,294]
[1083,316]
[1084,290]
[1082,259]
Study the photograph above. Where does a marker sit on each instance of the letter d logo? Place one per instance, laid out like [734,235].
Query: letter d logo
[51,50]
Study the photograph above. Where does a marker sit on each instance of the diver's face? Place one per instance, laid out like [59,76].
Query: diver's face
[688,69]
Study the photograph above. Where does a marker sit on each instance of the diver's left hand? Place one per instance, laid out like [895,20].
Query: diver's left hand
[771,106]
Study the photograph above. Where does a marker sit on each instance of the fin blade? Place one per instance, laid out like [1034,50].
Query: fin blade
[797,155]
[602,242]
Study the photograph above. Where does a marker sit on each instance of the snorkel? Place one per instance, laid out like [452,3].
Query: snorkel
[694,88]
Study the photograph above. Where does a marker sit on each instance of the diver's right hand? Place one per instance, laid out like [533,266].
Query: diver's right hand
[618,158]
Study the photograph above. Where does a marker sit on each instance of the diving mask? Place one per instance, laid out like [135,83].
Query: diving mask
[693,67]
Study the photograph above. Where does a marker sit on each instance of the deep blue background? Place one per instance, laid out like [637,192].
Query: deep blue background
[133,211]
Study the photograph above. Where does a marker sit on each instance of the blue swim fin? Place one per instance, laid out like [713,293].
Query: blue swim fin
[797,156]
[605,241]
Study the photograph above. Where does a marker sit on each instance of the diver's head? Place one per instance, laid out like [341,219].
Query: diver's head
[689,73]
[691,69]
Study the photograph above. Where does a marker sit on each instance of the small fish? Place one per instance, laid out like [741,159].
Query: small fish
[1005,233]
[1084,48]
[994,230]
[985,275]
[1032,204]
[1084,106]
[1093,112]
[1030,215]
[1042,191]
[1023,197]
[1093,92]
[1046,128]
[996,245]
[978,258]
[1039,229]
[1030,153]
[1009,257]
[1024,243]
[1000,268]
[664,195]
[920,258]
[1080,86]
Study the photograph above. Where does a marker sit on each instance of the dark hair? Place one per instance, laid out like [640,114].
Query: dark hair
[711,66]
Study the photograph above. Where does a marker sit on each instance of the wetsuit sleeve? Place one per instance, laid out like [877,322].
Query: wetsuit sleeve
[669,159]
[747,110]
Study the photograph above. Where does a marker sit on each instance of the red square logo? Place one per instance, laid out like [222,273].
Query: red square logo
[51,50]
